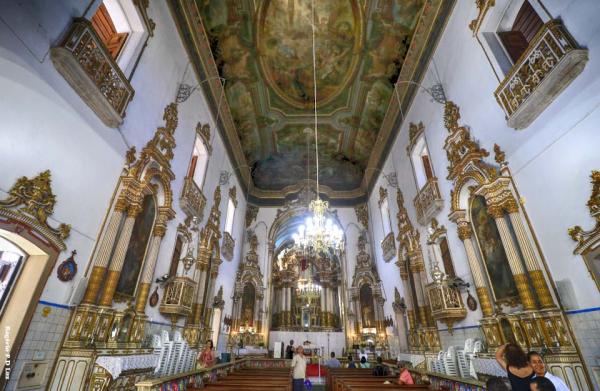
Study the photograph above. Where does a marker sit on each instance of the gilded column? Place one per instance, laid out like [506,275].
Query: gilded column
[197,308]
[116,264]
[149,265]
[531,261]
[514,260]
[466,235]
[410,304]
[103,255]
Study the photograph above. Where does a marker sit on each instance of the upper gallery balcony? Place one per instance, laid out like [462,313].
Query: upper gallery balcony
[549,64]
[192,200]
[87,65]
[428,201]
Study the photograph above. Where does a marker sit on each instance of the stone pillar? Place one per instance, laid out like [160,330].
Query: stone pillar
[149,265]
[103,256]
[532,263]
[514,260]
[116,264]
[465,233]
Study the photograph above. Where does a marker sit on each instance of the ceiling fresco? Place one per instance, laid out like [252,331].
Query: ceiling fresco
[264,51]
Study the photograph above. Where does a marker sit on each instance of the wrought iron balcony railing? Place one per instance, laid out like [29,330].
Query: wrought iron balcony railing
[83,60]
[178,298]
[428,201]
[550,63]
[192,200]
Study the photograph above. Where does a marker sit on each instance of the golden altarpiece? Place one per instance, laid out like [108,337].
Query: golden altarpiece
[365,313]
[422,330]
[506,264]
[248,296]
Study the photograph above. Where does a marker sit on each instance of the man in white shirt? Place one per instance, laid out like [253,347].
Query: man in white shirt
[298,369]
[539,368]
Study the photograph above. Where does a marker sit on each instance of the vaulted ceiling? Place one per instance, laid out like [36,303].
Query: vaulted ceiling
[263,51]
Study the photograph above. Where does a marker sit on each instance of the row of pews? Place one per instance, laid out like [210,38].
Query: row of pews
[267,379]
[343,379]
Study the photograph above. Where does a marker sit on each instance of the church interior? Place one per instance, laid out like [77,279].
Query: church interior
[415,181]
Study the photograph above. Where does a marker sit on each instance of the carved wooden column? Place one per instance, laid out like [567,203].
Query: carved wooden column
[465,233]
[116,264]
[532,263]
[514,260]
[150,264]
[103,255]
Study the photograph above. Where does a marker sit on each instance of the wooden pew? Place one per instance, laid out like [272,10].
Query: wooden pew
[343,379]
[271,379]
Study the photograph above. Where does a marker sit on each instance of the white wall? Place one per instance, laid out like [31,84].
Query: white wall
[551,160]
[46,125]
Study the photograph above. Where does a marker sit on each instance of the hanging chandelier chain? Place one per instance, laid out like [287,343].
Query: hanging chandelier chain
[314,54]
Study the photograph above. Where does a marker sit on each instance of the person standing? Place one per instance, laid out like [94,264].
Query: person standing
[298,370]
[289,350]
[539,368]
[333,362]
[514,361]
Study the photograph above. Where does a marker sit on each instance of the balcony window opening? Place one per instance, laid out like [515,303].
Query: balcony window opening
[230,216]
[112,27]
[524,28]
[447,258]
[176,256]
[422,163]
[385,217]
[198,163]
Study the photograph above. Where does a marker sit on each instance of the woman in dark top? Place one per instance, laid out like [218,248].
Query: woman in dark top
[514,361]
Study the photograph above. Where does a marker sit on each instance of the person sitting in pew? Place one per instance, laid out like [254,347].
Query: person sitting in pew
[351,363]
[333,362]
[405,376]
[380,369]
[364,363]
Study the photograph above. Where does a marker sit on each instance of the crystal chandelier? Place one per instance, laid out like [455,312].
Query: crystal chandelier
[307,289]
[319,233]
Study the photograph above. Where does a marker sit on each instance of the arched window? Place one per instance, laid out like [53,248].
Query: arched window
[11,260]
[136,251]
[438,242]
[198,162]
[384,209]
[231,206]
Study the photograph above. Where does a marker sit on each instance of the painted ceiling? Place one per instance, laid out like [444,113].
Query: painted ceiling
[264,52]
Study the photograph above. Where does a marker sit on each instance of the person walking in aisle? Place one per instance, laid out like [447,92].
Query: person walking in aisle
[298,370]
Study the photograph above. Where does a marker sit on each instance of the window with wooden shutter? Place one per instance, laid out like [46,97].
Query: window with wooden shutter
[427,167]
[105,28]
[176,256]
[447,259]
[526,25]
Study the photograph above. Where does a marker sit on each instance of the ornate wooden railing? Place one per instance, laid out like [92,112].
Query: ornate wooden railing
[551,62]
[388,247]
[446,303]
[178,297]
[192,200]
[227,246]
[83,60]
[428,202]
